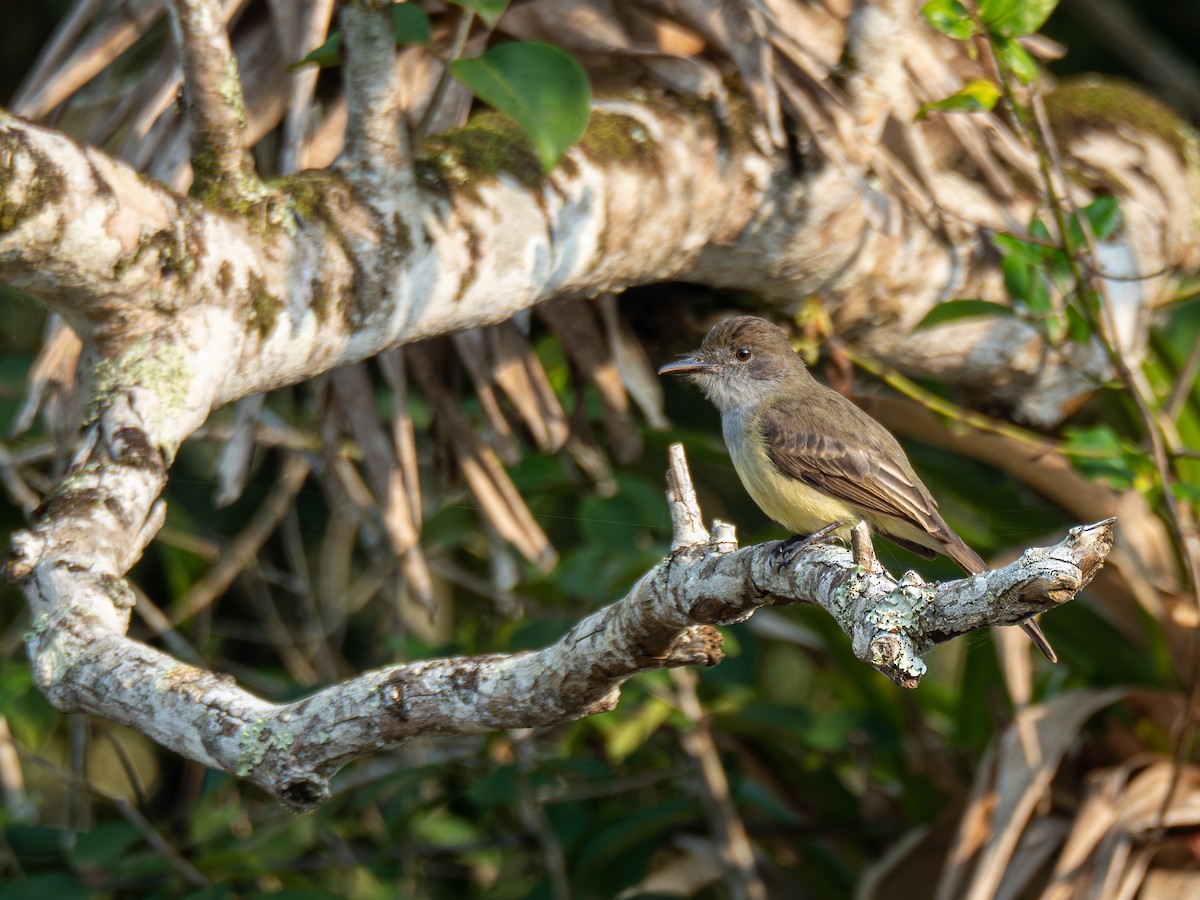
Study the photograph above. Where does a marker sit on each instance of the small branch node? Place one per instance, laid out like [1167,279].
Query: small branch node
[724,537]
[687,522]
[862,549]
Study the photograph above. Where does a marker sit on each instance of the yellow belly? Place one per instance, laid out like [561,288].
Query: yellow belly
[789,501]
[802,509]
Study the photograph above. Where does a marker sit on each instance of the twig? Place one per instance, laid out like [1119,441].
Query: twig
[462,31]
[216,580]
[215,104]
[153,837]
[687,522]
[736,853]
[953,411]
[377,144]
[534,817]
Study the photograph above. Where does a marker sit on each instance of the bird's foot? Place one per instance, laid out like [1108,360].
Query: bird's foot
[785,552]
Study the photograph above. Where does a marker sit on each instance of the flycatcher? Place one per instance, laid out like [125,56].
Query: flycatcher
[808,456]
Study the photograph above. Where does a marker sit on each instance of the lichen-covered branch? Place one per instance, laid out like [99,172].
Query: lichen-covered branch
[83,661]
[213,95]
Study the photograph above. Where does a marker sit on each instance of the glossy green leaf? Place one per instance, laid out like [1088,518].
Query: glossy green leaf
[1015,18]
[1011,245]
[410,25]
[1078,328]
[977,96]
[488,10]
[540,86]
[1104,456]
[954,310]
[326,56]
[950,18]
[1104,215]
[1016,59]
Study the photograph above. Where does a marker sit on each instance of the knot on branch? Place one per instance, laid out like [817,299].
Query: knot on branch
[702,645]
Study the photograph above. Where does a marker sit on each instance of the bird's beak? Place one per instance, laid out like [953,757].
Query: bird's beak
[689,365]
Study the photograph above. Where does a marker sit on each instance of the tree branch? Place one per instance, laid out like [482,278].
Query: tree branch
[377,146]
[215,104]
[83,661]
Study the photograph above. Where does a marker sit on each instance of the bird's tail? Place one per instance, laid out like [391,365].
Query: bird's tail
[958,551]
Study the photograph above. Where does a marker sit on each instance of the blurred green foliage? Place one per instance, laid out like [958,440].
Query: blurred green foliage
[829,764]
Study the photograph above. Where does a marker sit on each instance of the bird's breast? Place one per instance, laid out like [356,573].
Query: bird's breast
[787,500]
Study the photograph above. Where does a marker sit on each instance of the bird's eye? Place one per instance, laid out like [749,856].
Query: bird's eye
[742,354]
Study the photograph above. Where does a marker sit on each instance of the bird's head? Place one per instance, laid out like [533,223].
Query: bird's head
[742,360]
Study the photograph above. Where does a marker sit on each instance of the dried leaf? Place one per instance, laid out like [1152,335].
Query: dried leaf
[574,324]
[50,83]
[1019,782]
[501,357]
[356,402]
[55,364]
[299,26]
[488,481]
[233,466]
[640,378]
[473,353]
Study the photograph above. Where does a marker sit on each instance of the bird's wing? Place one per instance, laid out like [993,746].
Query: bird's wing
[827,461]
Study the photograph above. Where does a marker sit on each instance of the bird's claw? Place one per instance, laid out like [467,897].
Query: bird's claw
[786,551]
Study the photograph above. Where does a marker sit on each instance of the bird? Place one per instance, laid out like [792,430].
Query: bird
[813,461]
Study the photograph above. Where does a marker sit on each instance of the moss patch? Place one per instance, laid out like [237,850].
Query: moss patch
[1094,103]
[616,139]
[489,146]
[22,196]
[152,363]
[264,306]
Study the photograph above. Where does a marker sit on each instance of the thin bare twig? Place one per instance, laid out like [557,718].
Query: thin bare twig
[462,31]
[264,521]
[736,853]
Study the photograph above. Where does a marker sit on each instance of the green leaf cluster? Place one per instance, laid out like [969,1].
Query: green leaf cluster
[1002,22]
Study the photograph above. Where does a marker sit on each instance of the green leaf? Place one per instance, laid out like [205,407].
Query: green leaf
[488,10]
[632,728]
[962,309]
[326,56]
[105,845]
[410,25]
[1102,455]
[1078,329]
[1186,491]
[1013,246]
[1016,59]
[977,96]
[54,884]
[1015,18]
[950,18]
[1104,215]
[540,86]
